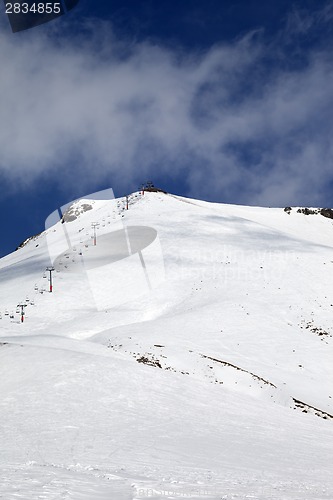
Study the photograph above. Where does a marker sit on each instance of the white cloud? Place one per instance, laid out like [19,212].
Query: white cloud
[90,107]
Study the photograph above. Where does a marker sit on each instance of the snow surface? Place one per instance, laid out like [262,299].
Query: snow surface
[200,366]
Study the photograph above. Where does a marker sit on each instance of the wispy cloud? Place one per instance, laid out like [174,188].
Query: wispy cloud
[236,122]
[301,21]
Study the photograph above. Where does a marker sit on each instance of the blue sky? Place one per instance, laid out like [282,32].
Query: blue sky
[227,101]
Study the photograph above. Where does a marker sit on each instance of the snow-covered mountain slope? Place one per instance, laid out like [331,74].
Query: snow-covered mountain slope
[215,380]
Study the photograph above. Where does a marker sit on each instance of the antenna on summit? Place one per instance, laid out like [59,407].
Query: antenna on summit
[150,187]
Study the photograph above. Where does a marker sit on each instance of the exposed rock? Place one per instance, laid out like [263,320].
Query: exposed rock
[150,362]
[306,408]
[25,242]
[307,211]
[74,211]
[327,212]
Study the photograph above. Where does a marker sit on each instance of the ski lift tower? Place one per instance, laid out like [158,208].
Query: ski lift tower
[22,306]
[50,270]
[95,225]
